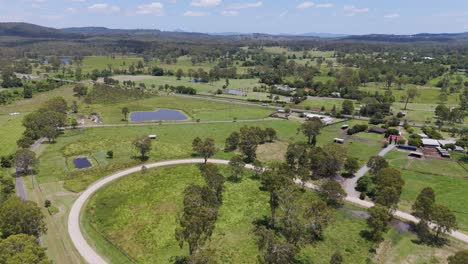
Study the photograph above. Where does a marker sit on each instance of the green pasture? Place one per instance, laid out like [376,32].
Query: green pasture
[146,232]
[448,178]
[204,110]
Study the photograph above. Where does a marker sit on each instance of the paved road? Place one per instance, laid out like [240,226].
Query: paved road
[91,256]
[20,191]
[74,229]
[398,214]
[350,184]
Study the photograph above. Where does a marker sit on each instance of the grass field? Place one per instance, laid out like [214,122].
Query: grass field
[204,110]
[246,85]
[428,94]
[138,215]
[448,179]
[174,142]
[11,128]
[146,231]
[316,103]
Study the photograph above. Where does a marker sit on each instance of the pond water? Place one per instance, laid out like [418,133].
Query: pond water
[158,115]
[82,163]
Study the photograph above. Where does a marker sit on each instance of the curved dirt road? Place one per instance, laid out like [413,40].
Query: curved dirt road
[91,256]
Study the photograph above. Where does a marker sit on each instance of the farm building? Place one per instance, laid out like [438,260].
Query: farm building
[394,138]
[285,88]
[407,147]
[416,154]
[444,153]
[430,143]
[152,136]
[446,142]
[344,126]
[422,135]
[378,130]
[325,119]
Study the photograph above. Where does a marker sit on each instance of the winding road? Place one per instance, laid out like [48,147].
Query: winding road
[91,256]
[350,184]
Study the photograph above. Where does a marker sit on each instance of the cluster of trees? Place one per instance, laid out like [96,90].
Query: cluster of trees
[248,139]
[448,115]
[102,93]
[199,215]
[384,186]
[44,122]
[9,79]
[294,221]
[21,225]
[357,129]
[439,215]
[316,162]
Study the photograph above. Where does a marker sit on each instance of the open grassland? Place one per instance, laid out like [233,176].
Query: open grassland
[448,178]
[316,103]
[11,127]
[10,132]
[400,247]
[100,63]
[246,85]
[204,110]
[428,94]
[91,63]
[135,218]
[174,142]
[146,231]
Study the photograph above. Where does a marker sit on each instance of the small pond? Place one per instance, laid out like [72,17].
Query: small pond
[158,115]
[82,163]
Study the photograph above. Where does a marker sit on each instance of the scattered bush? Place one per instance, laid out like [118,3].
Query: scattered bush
[356,129]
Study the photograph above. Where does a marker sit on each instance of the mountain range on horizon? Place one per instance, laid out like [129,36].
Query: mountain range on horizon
[28,30]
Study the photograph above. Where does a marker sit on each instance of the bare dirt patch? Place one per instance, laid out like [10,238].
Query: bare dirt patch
[272,151]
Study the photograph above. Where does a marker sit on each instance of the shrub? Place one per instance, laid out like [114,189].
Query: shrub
[356,129]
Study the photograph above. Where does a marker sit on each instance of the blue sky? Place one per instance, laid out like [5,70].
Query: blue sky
[267,16]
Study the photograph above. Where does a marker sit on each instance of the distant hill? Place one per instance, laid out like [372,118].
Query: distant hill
[31,31]
[110,31]
[423,37]
[26,30]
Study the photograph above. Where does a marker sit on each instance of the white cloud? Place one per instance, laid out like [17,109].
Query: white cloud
[205,3]
[103,8]
[245,5]
[229,13]
[305,5]
[190,13]
[352,10]
[355,10]
[325,5]
[155,8]
[392,15]
[71,10]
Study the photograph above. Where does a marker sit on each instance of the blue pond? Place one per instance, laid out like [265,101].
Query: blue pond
[82,163]
[158,115]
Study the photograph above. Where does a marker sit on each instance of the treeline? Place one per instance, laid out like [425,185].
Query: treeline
[44,122]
